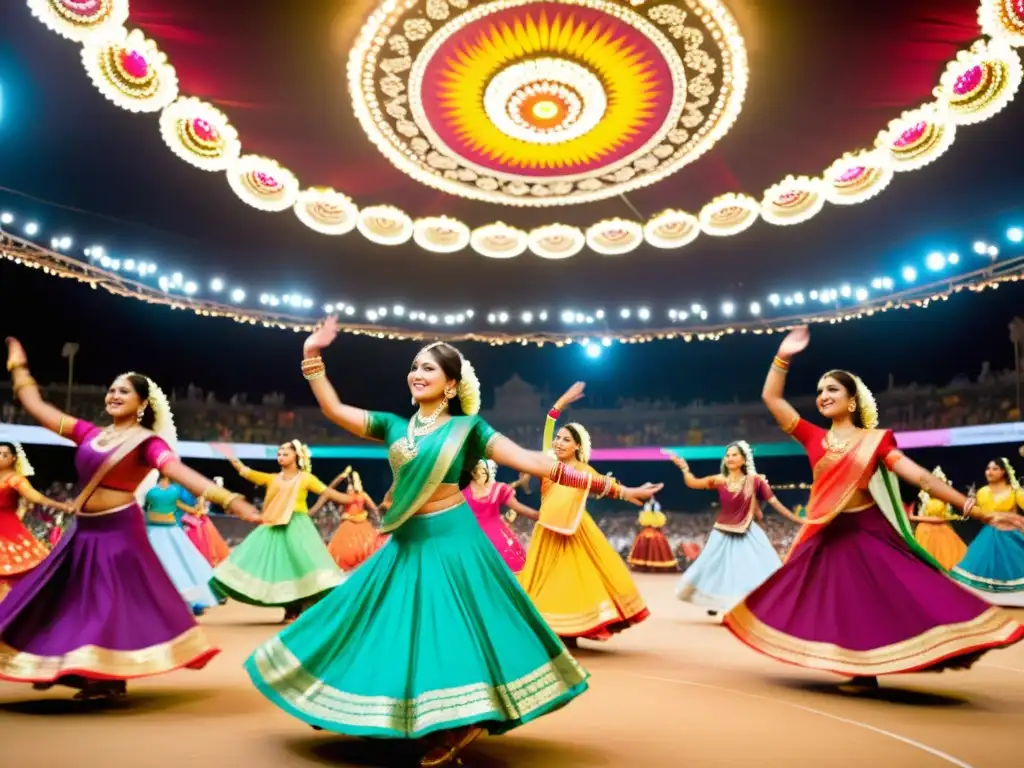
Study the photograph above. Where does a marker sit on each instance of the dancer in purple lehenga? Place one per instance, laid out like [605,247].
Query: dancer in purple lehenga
[487,497]
[857,595]
[100,609]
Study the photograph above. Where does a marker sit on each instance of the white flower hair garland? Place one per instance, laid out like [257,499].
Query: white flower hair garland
[163,427]
[303,455]
[585,442]
[468,390]
[21,463]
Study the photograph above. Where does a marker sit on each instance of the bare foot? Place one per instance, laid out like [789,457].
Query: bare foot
[452,743]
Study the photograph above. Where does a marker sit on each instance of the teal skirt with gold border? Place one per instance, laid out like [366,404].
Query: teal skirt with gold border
[432,632]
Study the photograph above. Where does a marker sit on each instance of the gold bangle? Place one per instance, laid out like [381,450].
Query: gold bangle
[27,382]
[217,494]
[60,426]
[12,367]
[314,376]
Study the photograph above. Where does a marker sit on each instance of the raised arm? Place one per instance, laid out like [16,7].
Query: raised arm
[32,496]
[509,454]
[349,418]
[570,396]
[315,485]
[775,383]
[698,483]
[26,390]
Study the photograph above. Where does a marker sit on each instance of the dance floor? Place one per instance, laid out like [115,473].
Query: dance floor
[677,690]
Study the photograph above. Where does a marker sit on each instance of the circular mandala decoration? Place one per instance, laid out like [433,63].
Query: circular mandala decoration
[857,176]
[130,70]
[440,234]
[200,134]
[1003,20]
[556,241]
[326,211]
[384,225]
[614,236]
[917,137]
[980,82]
[262,183]
[546,102]
[79,20]
[672,229]
[793,200]
[499,241]
[729,214]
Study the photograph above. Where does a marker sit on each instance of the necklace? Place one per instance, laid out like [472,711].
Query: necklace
[405,449]
[733,486]
[420,426]
[836,444]
[110,435]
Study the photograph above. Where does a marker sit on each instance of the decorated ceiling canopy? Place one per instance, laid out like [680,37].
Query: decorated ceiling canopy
[550,126]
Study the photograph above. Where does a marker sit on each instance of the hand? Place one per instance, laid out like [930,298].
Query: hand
[796,341]
[15,354]
[572,395]
[244,510]
[1006,521]
[637,496]
[679,461]
[321,338]
[64,507]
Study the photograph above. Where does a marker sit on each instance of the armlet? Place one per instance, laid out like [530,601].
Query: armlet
[891,458]
[790,428]
[491,441]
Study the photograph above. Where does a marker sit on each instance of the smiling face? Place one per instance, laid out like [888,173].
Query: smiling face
[734,459]
[995,472]
[480,474]
[7,457]
[834,400]
[122,401]
[427,381]
[565,445]
[286,456]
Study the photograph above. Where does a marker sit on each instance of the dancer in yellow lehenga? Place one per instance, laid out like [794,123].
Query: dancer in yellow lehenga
[578,582]
[934,532]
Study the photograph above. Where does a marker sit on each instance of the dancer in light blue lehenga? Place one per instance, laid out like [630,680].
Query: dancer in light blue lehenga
[165,506]
[738,556]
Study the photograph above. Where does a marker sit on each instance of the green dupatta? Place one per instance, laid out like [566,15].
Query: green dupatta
[883,487]
[417,478]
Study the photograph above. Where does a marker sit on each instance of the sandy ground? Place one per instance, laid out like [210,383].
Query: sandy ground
[676,690]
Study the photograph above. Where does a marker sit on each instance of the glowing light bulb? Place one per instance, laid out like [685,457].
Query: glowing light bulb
[191,287]
[527,317]
[774,299]
[980,247]
[935,261]
[644,313]
[909,274]
[755,308]
[861,294]
[31,229]
[1013,234]
[238,295]
[953,258]
[593,351]
[216,285]
[6,217]
[624,313]
[728,308]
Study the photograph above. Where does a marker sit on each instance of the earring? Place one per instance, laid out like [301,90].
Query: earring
[853,407]
[413,399]
[448,394]
[139,414]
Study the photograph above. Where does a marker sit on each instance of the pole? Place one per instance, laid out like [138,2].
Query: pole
[71,382]
[1016,368]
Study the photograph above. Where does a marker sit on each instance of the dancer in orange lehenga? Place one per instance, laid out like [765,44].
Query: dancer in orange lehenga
[19,550]
[204,534]
[651,550]
[934,532]
[356,538]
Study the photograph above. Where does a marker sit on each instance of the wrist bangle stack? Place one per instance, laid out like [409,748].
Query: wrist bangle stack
[313,368]
[555,412]
[780,365]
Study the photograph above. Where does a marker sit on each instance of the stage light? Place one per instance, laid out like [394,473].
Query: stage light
[833,295]
[217,285]
[935,261]
[993,251]
[398,310]
[543,316]
[909,274]
[644,313]
[129,264]
[6,218]
[798,297]
[328,309]
[1013,234]
[580,317]
[887,283]
[788,301]
[703,314]
[695,309]
[683,314]
[755,308]
[774,299]
[567,316]
[460,318]
[238,295]
[65,242]
[105,262]
[307,303]
[877,283]
[590,319]
[672,314]
[31,229]
[432,319]
[164,283]
[593,351]
[449,319]
[350,310]
[176,278]
[980,247]
[115,264]
[274,301]
[492,318]
[264,298]
[503,317]
[813,295]
[599,314]
[728,308]
[382,311]
[606,342]
[845,291]
[624,313]
[191,288]
[953,258]
[861,294]
[527,317]
[469,313]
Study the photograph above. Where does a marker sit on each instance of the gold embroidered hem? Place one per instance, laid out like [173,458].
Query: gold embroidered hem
[281,672]
[606,613]
[994,627]
[276,593]
[189,649]
[652,563]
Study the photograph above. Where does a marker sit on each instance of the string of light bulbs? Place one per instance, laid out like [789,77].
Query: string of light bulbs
[146,281]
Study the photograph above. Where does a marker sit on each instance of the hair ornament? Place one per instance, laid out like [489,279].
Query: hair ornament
[468,390]
[585,442]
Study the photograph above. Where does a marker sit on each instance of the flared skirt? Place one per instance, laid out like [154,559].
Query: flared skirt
[993,567]
[729,568]
[188,569]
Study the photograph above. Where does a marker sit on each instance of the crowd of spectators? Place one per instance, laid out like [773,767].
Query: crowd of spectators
[519,411]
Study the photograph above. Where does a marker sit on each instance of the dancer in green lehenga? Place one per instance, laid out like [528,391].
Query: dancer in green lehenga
[431,638]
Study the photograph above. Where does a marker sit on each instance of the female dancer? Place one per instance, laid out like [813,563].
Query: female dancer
[20,551]
[579,583]
[190,573]
[651,550]
[857,595]
[993,567]
[738,555]
[356,538]
[100,610]
[465,649]
[204,534]
[283,563]
[486,498]
[934,533]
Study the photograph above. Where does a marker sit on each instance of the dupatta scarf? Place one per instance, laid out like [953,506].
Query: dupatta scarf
[837,477]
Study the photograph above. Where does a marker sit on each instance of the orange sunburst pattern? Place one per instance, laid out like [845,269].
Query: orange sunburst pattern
[546,90]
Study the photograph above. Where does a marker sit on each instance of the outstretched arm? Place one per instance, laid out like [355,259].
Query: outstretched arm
[32,496]
[775,383]
[26,390]
[570,396]
[521,509]
[783,510]
[692,481]
[509,454]
[348,417]
[204,487]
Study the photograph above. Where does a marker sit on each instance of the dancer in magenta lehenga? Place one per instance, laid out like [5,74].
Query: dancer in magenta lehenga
[487,497]
[100,609]
[857,595]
